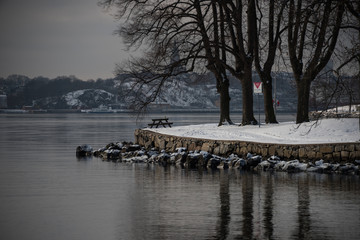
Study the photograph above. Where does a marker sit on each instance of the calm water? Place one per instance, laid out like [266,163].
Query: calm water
[46,193]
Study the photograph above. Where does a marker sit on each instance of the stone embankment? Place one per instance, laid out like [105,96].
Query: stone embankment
[329,152]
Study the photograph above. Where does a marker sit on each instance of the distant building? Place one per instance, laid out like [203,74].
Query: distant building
[3,101]
[28,108]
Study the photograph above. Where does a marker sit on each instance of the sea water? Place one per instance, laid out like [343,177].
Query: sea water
[47,193]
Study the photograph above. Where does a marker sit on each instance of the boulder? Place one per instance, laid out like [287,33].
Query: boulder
[163,158]
[223,165]
[213,163]
[239,163]
[264,165]
[253,161]
[97,153]
[194,160]
[113,155]
[133,147]
[84,150]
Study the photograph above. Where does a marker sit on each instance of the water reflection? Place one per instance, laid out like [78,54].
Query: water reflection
[247,206]
[228,204]
[224,215]
[304,222]
[268,207]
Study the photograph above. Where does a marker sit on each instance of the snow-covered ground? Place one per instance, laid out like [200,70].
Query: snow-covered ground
[344,109]
[324,131]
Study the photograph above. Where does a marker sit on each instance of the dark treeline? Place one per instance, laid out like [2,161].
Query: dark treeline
[22,90]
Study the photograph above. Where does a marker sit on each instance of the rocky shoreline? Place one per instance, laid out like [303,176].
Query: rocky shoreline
[133,153]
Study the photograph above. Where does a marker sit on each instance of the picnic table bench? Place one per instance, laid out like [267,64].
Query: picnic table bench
[160,121]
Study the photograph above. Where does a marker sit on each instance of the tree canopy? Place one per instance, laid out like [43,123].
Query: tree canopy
[231,37]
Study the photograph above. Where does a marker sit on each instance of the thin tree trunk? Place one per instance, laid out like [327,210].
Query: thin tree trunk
[247,91]
[358,76]
[224,103]
[303,91]
[268,106]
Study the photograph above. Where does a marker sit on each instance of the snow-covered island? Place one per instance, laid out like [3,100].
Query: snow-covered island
[326,146]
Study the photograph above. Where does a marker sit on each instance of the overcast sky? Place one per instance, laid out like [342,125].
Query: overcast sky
[53,38]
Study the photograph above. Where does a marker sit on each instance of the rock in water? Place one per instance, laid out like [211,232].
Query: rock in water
[84,150]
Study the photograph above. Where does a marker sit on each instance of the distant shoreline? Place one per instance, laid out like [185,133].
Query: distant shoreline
[114,111]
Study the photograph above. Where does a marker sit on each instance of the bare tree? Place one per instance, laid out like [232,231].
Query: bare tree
[324,90]
[267,38]
[147,77]
[240,18]
[213,38]
[313,28]
[227,25]
[202,29]
[238,25]
[158,24]
[349,51]
[353,8]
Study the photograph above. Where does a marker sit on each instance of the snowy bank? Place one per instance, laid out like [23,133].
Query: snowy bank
[339,112]
[323,131]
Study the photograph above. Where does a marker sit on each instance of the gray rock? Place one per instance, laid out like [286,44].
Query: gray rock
[84,150]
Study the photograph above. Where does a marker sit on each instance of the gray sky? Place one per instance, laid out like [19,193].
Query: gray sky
[53,38]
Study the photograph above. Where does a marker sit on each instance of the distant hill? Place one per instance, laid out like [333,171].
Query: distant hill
[80,99]
[189,91]
[51,93]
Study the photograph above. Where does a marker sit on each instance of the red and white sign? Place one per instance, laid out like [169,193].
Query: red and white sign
[257,87]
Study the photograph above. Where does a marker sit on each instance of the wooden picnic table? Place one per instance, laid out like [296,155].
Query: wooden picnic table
[160,121]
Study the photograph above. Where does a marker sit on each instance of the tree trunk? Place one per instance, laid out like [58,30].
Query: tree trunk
[247,98]
[268,106]
[358,59]
[350,102]
[223,90]
[303,91]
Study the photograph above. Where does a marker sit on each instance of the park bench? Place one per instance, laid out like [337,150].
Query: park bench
[160,121]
